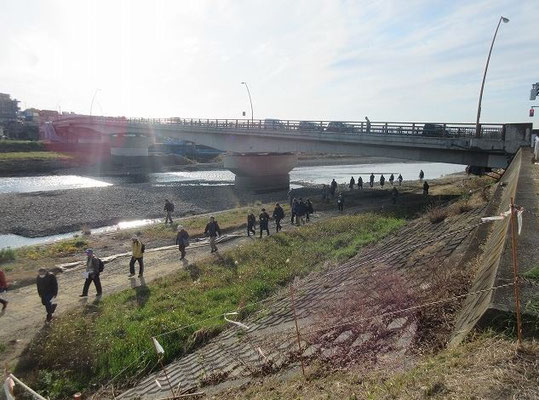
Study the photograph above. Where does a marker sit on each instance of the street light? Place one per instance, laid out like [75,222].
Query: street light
[93,98]
[250,100]
[477,127]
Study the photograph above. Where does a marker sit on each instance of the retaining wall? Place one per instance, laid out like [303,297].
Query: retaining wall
[475,307]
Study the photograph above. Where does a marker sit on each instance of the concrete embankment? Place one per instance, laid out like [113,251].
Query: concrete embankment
[491,307]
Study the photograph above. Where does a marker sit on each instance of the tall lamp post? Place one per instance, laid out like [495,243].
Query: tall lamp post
[93,98]
[250,100]
[477,126]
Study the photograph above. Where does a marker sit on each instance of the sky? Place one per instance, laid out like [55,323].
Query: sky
[395,60]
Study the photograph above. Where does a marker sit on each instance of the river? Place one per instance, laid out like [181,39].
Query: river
[299,176]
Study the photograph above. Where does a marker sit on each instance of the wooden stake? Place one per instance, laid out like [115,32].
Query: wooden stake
[297,329]
[166,376]
[515,272]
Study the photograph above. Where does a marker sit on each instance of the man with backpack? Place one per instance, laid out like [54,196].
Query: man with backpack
[169,208]
[47,288]
[94,266]
[137,255]
[182,240]
[278,215]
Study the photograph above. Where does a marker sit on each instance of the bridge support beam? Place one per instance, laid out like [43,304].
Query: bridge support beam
[261,171]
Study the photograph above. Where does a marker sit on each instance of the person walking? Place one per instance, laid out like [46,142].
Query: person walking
[421,175]
[212,230]
[352,183]
[360,183]
[3,289]
[371,180]
[340,202]
[394,195]
[278,215]
[391,179]
[93,269]
[294,211]
[251,223]
[425,188]
[182,240]
[325,192]
[169,209]
[368,124]
[137,248]
[263,221]
[382,180]
[301,211]
[47,288]
[333,187]
[310,209]
[400,179]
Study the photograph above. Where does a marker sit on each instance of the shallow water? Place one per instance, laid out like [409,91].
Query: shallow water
[28,184]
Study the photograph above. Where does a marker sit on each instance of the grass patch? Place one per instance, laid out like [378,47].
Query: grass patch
[533,273]
[32,156]
[7,255]
[120,327]
[7,146]
[59,249]
[2,347]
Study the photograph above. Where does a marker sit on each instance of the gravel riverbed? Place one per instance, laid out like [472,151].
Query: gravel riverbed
[46,213]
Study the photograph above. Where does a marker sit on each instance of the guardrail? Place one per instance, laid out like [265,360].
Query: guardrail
[433,129]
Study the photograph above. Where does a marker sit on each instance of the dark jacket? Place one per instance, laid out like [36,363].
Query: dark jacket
[333,186]
[212,229]
[169,206]
[371,178]
[352,182]
[251,220]
[360,181]
[263,219]
[278,213]
[181,237]
[47,286]
[302,209]
[92,265]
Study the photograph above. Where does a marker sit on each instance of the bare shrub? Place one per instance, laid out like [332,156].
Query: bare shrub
[358,324]
[441,285]
[437,214]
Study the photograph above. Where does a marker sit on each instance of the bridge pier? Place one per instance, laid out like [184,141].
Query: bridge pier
[129,149]
[261,171]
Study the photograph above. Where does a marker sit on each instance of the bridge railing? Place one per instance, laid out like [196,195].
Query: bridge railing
[433,129]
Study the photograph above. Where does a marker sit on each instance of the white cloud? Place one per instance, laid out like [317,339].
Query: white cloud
[391,60]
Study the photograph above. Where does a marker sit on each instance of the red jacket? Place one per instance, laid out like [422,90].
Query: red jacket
[3,281]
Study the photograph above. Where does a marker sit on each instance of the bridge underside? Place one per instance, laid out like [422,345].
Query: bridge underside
[458,151]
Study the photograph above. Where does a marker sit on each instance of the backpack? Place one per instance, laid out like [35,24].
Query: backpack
[142,248]
[101,265]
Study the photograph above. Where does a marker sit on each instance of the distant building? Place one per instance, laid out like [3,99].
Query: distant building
[9,108]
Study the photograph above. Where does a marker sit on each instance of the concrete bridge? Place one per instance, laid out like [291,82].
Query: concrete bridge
[265,150]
